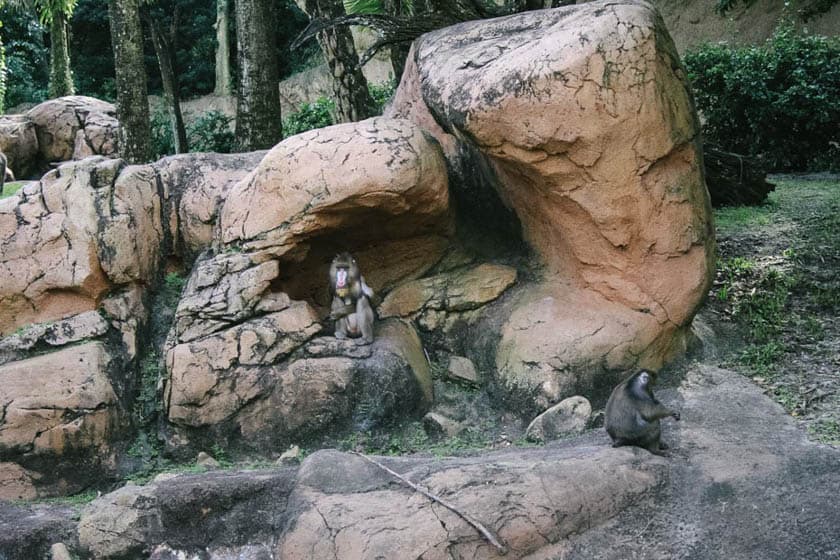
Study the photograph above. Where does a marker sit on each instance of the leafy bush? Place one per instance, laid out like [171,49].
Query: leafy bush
[382,94]
[27,58]
[309,116]
[162,142]
[780,100]
[211,132]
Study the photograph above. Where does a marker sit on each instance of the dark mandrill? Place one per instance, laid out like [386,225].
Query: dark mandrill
[633,413]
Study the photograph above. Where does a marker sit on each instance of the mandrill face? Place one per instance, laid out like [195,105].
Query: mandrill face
[343,272]
[341,278]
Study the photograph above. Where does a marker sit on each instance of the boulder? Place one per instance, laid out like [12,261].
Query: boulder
[447,306]
[70,238]
[213,510]
[461,290]
[740,471]
[357,185]
[19,143]
[61,413]
[436,425]
[29,530]
[224,290]
[74,127]
[462,370]
[264,382]
[89,324]
[568,417]
[196,185]
[590,137]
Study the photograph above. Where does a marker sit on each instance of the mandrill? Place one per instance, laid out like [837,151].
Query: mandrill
[633,413]
[351,308]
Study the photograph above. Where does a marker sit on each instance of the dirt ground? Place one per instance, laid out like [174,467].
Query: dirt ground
[775,301]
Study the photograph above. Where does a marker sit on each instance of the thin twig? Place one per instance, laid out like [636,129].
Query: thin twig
[466,517]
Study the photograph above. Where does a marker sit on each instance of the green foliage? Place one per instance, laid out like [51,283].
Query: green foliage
[762,358]
[11,188]
[382,94]
[733,271]
[762,311]
[320,113]
[211,132]
[27,58]
[90,50]
[826,431]
[807,9]
[780,101]
[309,117]
[363,6]
[162,142]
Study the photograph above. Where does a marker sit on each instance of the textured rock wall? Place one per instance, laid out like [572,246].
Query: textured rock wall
[584,116]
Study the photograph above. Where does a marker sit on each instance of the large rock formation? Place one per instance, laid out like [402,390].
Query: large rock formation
[582,120]
[62,129]
[378,187]
[239,357]
[571,129]
[79,250]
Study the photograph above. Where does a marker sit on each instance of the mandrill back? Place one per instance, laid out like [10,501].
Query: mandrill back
[633,413]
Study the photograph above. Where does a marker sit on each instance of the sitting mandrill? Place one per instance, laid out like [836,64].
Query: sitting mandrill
[633,413]
[351,304]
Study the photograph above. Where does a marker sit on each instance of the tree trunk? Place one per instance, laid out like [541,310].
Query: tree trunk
[166,58]
[399,52]
[132,97]
[61,78]
[352,98]
[258,120]
[223,80]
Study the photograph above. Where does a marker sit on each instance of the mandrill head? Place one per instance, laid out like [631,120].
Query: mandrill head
[344,272]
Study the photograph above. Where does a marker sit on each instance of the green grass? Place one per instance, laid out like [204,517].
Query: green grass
[412,438]
[737,218]
[11,188]
[826,431]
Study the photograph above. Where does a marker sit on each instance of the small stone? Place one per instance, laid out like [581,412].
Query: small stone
[290,457]
[163,477]
[206,461]
[59,552]
[462,370]
[437,425]
[570,416]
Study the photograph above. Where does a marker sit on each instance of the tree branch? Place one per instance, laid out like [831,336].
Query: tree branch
[466,517]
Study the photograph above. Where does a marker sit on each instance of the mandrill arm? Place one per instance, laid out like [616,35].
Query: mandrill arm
[339,309]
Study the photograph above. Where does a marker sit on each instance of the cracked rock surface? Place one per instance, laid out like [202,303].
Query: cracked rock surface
[61,129]
[584,118]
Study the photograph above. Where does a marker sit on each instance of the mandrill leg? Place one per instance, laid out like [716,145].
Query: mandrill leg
[364,314]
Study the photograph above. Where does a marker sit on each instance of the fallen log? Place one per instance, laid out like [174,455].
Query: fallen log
[734,179]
